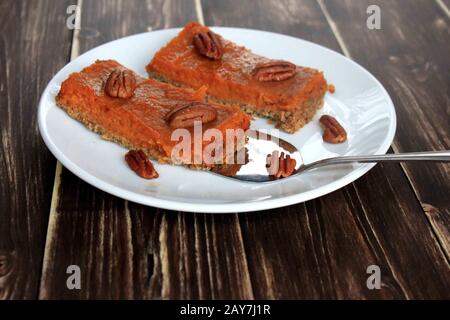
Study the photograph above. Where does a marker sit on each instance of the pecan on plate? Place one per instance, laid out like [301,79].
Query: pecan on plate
[280,166]
[120,84]
[333,131]
[139,163]
[208,44]
[186,115]
[331,88]
[275,70]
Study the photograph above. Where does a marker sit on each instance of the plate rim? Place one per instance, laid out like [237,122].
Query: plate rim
[229,207]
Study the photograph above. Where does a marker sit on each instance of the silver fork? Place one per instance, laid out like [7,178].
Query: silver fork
[260,145]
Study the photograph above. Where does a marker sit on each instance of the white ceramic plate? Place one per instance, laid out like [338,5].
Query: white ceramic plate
[360,103]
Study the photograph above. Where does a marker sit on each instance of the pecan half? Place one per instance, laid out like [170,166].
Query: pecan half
[120,84]
[186,115]
[139,163]
[275,70]
[208,44]
[331,88]
[280,166]
[333,131]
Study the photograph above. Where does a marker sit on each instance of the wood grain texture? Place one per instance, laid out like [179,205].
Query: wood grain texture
[319,249]
[126,250]
[328,243]
[412,60]
[31,32]
[445,6]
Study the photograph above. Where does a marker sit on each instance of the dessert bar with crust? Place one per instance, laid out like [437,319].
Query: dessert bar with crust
[139,121]
[228,73]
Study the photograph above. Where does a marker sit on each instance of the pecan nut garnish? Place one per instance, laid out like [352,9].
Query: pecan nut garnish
[275,70]
[333,131]
[280,166]
[139,163]
[120,84]
[331,88]
[186,115]
[208,44]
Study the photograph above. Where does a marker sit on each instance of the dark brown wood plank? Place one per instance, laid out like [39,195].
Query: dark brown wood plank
[321,249]
[410,56]
[126,250]
[404,234]
[34,44]
[445,5]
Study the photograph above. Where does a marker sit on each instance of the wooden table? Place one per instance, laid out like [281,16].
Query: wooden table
[396,216]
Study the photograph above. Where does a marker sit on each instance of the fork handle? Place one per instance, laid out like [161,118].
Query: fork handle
[438,156]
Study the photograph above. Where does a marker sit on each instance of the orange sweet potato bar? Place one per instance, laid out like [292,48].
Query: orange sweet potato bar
[290,103]
[137,122]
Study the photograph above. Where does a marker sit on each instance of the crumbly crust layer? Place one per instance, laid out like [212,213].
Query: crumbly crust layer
[153,153]
[289,121]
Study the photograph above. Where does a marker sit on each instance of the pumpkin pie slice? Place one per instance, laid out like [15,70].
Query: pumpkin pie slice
[287,94]
[138,113]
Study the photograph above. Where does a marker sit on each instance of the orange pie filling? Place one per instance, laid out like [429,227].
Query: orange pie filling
[140,121]
[230,79]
